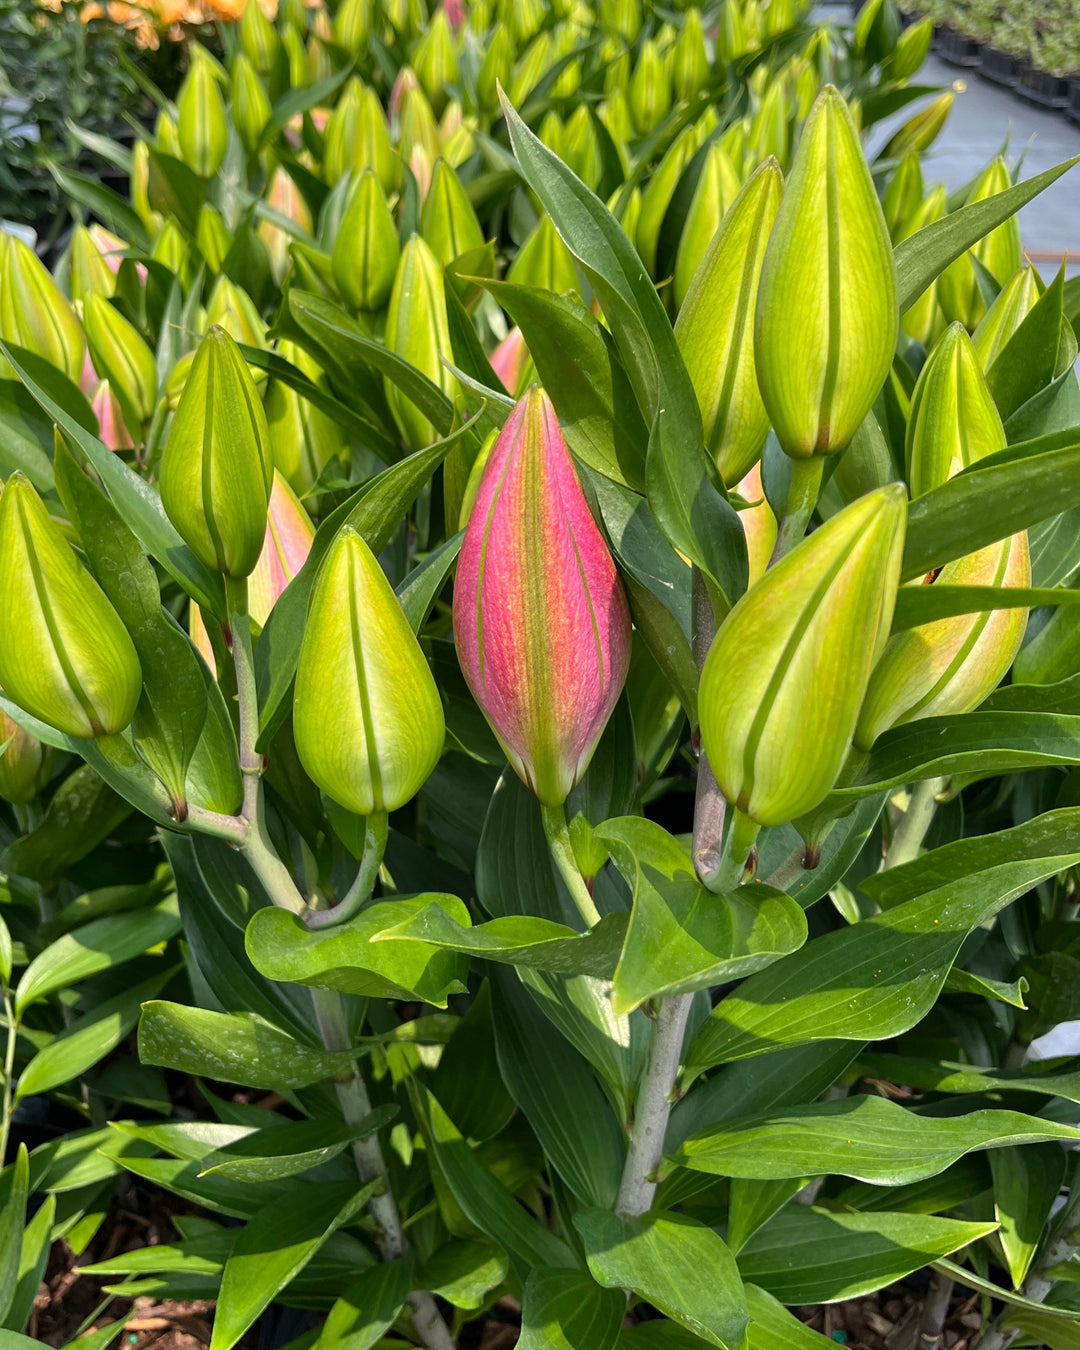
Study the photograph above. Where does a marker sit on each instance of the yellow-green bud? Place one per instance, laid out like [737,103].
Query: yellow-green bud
[617,68]
[140,188]
[342,133]
[1013,304]
[417,127]
[911,49]
[218,467]
[827,308]
[302,438]
[167,135]
[786,674]
[565,40]
[495,69]
[234,310]
[656,198]
[121,356]
[717,188]
[689,59]
[953,420]
[201,125]
[769,132]
[778,18]
[999,253]
[65,657]
[922,130]
[367,718]
[171,250]
[417,329]
[581,148]
[250,104]
[212,237]
[88,272]
[715,328]
[352,24]
[550,132]
[258,40]
[435,60]
[650,88]
[448,222]
[34,312]
[524,17]
[530,69]
[544,261]
[366,250]
[904,195]
[923,321]
[296,56]
[614,112]
[21,757]
[622,17]
[732,39]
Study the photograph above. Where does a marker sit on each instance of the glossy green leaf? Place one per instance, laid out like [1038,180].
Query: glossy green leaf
[682,937]
[290,1150]
[368,1307]
[870,980]
[1043,1328]
[925,254]
[868,1138]
[267,1256]
[1026,1186]
[231,1047]
[463,1272]
[95,947]
[673,1262]
[345,957]
[12,1218]
[771,1325]
[970,1280]
[565,1310]
[965,1079]
[916,605]
[417,593]
[959,981]
[807,1255]
[36,1245]
[752,1203]
[83,811]
[26,442]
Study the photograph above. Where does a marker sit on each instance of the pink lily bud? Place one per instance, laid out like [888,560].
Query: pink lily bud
[510,360]
[88,376]
[455,13]
[540,620]
[111,425]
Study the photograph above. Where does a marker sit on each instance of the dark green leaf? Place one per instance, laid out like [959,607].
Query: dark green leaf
[84,810]
[12,1218]
[368,1307]
[1026,1186]
[565,1310]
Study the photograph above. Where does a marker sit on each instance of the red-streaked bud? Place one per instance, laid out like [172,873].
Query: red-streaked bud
[540,619]
[111,425]
[511,361]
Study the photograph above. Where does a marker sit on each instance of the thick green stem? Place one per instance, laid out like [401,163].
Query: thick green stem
[562,852]
[806,475]
[359,893]
[741,835]
[355,1104]
[6,1104]
[911,830]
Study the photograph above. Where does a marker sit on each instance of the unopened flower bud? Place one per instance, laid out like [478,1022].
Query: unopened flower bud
[530,69]
[171,250]
[417,329]
[540,619]
[140,188]
[786,674]
[622,17]
[544,261]
[827,308]
[448,222]
[417,129]
[65,656]
[352,25]
[250,104]
[904,194]
[21,757]
[689,59]
[715,328]
[112,429]
[33,311]
[912,47]
[366,250]
[435,60]
[717,187]
[732,40]
[87,269]
[998,251]
[1014,302]
[922,130]
[232,309]
[121,356]
[512,363]
[657,196]
[212,236]
[258,40]
[285,197]
[217,468]
[367,718]
[758,522]
[770,133]
[650,88]
[923,321]
[495,69]
[202,127]
[303,439]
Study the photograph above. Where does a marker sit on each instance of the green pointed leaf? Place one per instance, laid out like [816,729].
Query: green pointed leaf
[771,1325]
[463,1272]
[565,1310]
[682,937]
[12,1218]
[868,1138]
[916,605]
[36,1245]
[674,1263]
[807,1255]
[1026,1186]
[290,1150]
[368,1307]
[963,1079]
[1028,362]
[872,979]
[1043,1328]
[417,593]
[231,1047]
[970,1280]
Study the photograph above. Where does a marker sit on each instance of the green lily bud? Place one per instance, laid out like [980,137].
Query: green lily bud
[167,135]
[202,127]
[550,132]
[778,18]
[948,667]
[622,17]
[566,39]
[417,329]
[999,253]
[769,131]
[614,112]
[296,56]
[293,14]
[212,237]
[581,148]
[88,272]
[218,467]
[904,195]
[524,17]
[285,197]
[689,60]
[366,250]
[656,198]
[495,69]
[807,88]
[786,674]
[827,309]
[717,188]
[303,439]
[234,310]
[352,24]
[250,104]
[342,128]
[448,223]
[21,757]
[631,213]
[435,59]
[953,420]
[912,47]
[618,67]
[922,130]
[759,524]
[715,328]
[731,35]
[258,40]
[1013,304]
[140,188]
[481,16]
[417,127]
[65,657]
[923,321]
[320,66]
[33,311]
[650,88]
[530,69]
[460,144]
[367,718]
[121,356]
[544,261]
[171,250]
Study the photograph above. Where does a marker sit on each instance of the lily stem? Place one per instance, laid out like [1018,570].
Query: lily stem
[911,830]
[359,893]
[806,475]
[6,1105]
[557,833]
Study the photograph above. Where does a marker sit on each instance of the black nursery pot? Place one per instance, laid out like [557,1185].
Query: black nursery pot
[957,50]
[1073,110]
[1047,91]
[1000,68]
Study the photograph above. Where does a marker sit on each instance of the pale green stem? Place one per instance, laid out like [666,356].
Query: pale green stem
[911,829]
[740,840]
[806,475]
[359,893]
[557,833]
[9,1075]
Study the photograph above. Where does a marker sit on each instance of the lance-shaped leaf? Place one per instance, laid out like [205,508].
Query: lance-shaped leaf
[540,620]
[827,315]
[65,655]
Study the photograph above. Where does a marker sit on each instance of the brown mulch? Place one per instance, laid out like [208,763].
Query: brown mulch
[889,1320]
